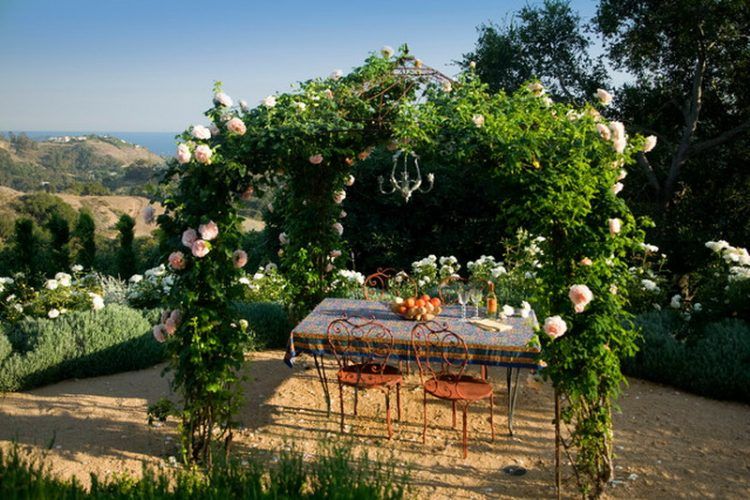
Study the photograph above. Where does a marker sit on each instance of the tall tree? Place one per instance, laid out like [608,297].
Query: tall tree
[686,56]
[547,42]
[85,232]
[59,242]
[26,245]
[126,260]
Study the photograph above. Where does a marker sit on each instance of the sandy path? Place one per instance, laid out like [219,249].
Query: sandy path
[669,444]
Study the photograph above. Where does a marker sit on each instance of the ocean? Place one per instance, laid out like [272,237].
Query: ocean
[161,143]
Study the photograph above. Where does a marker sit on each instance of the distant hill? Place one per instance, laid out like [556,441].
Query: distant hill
[105,209]
[82,165]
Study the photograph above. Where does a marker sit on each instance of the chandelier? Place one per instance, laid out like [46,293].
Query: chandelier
[406,185]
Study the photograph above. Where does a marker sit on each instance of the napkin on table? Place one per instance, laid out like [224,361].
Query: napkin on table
[490,325]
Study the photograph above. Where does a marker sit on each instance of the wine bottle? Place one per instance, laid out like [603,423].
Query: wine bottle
[491,301]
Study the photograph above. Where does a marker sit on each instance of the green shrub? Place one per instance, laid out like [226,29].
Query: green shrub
[5,346]
[79,344]
[268,321]
[337,474]
[713,362]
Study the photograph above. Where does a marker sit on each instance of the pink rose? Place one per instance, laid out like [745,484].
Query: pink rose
[555,326]
[203,154]
[615,225]
[247,194]
[189,237]
[183,154]
[236,126]
[617,187]
[239,258]
[618,130]
[159,333]
[604,97]
[170,326]
[222,99]
[209,231]
[603,131]
[649,144]
[339,196]
[201,248]
[619,144]
[177,261]
[200,132]
[338,228]
[586,261]
[316,159]
[176,316]
[580,296]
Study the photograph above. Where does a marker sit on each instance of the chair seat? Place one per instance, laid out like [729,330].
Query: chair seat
[453,388]
[369,375]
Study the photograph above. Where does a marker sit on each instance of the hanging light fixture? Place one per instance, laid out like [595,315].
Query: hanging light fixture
[406,185]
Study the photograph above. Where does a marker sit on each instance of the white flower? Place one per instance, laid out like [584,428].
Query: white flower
[283,239]
[623,174]
[338,227]
[53,313]
[349,180]
[243,105]
[507,310]
[617,187]
[603,131]
[258,276]
[300,105]
[649,248]
[604,97]
[387,51]
[446,86]
[97,302]
[525,309]
[649,144]
[650,285]
[269,101]
[472,64]
[676,302]
[498,271]
[478,120]
[64,279]
[697,307]
[717,246]
[51,285]
[18,307]
[336,74]
[536,88]
[339,196]
[200,132]
[244,280]
[271,267]
[615,226]
[223,100]
[76,268]
[136,278]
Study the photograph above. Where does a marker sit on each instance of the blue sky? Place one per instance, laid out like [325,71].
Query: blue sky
[149,65]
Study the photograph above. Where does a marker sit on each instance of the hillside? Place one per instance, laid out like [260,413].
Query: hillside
[83,165]
[105,209]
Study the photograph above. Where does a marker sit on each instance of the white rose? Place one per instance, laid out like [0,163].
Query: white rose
[604,97]
[51,285]
[223,100]
[269,101]
[53,313]
[387,51]
[478,120]
[336,74]
[200,132]
[649,144]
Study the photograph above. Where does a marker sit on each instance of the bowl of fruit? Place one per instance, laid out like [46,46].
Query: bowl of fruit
[423,308]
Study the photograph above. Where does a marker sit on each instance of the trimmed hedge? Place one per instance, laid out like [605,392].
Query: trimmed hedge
[713,361]
[268,321]
[78,344]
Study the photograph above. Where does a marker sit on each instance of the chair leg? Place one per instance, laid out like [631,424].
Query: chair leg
[454,414]
[466,453]
[341,399]
[492,421]
[424,413]
[388,413]
[398,400]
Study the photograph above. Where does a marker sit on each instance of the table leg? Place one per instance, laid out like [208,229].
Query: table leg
[512,381]
[321,369]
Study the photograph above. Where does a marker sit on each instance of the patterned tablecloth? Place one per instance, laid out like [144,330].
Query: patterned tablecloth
[510,348]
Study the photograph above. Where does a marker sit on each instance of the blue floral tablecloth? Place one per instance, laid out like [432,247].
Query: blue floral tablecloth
[510,348]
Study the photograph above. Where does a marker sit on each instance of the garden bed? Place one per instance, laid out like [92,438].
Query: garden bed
[668,443]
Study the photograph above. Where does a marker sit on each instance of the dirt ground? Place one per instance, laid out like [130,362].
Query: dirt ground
[669,444]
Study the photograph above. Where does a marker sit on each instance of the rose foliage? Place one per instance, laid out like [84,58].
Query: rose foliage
[556,171]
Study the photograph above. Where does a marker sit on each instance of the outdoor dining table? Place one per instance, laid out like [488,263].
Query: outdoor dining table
[510,349]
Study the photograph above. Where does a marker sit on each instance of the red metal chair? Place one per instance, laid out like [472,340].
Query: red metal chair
[362,348]
[434,344]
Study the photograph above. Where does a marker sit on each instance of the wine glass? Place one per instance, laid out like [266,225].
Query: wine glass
[462,295]
[475,297]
